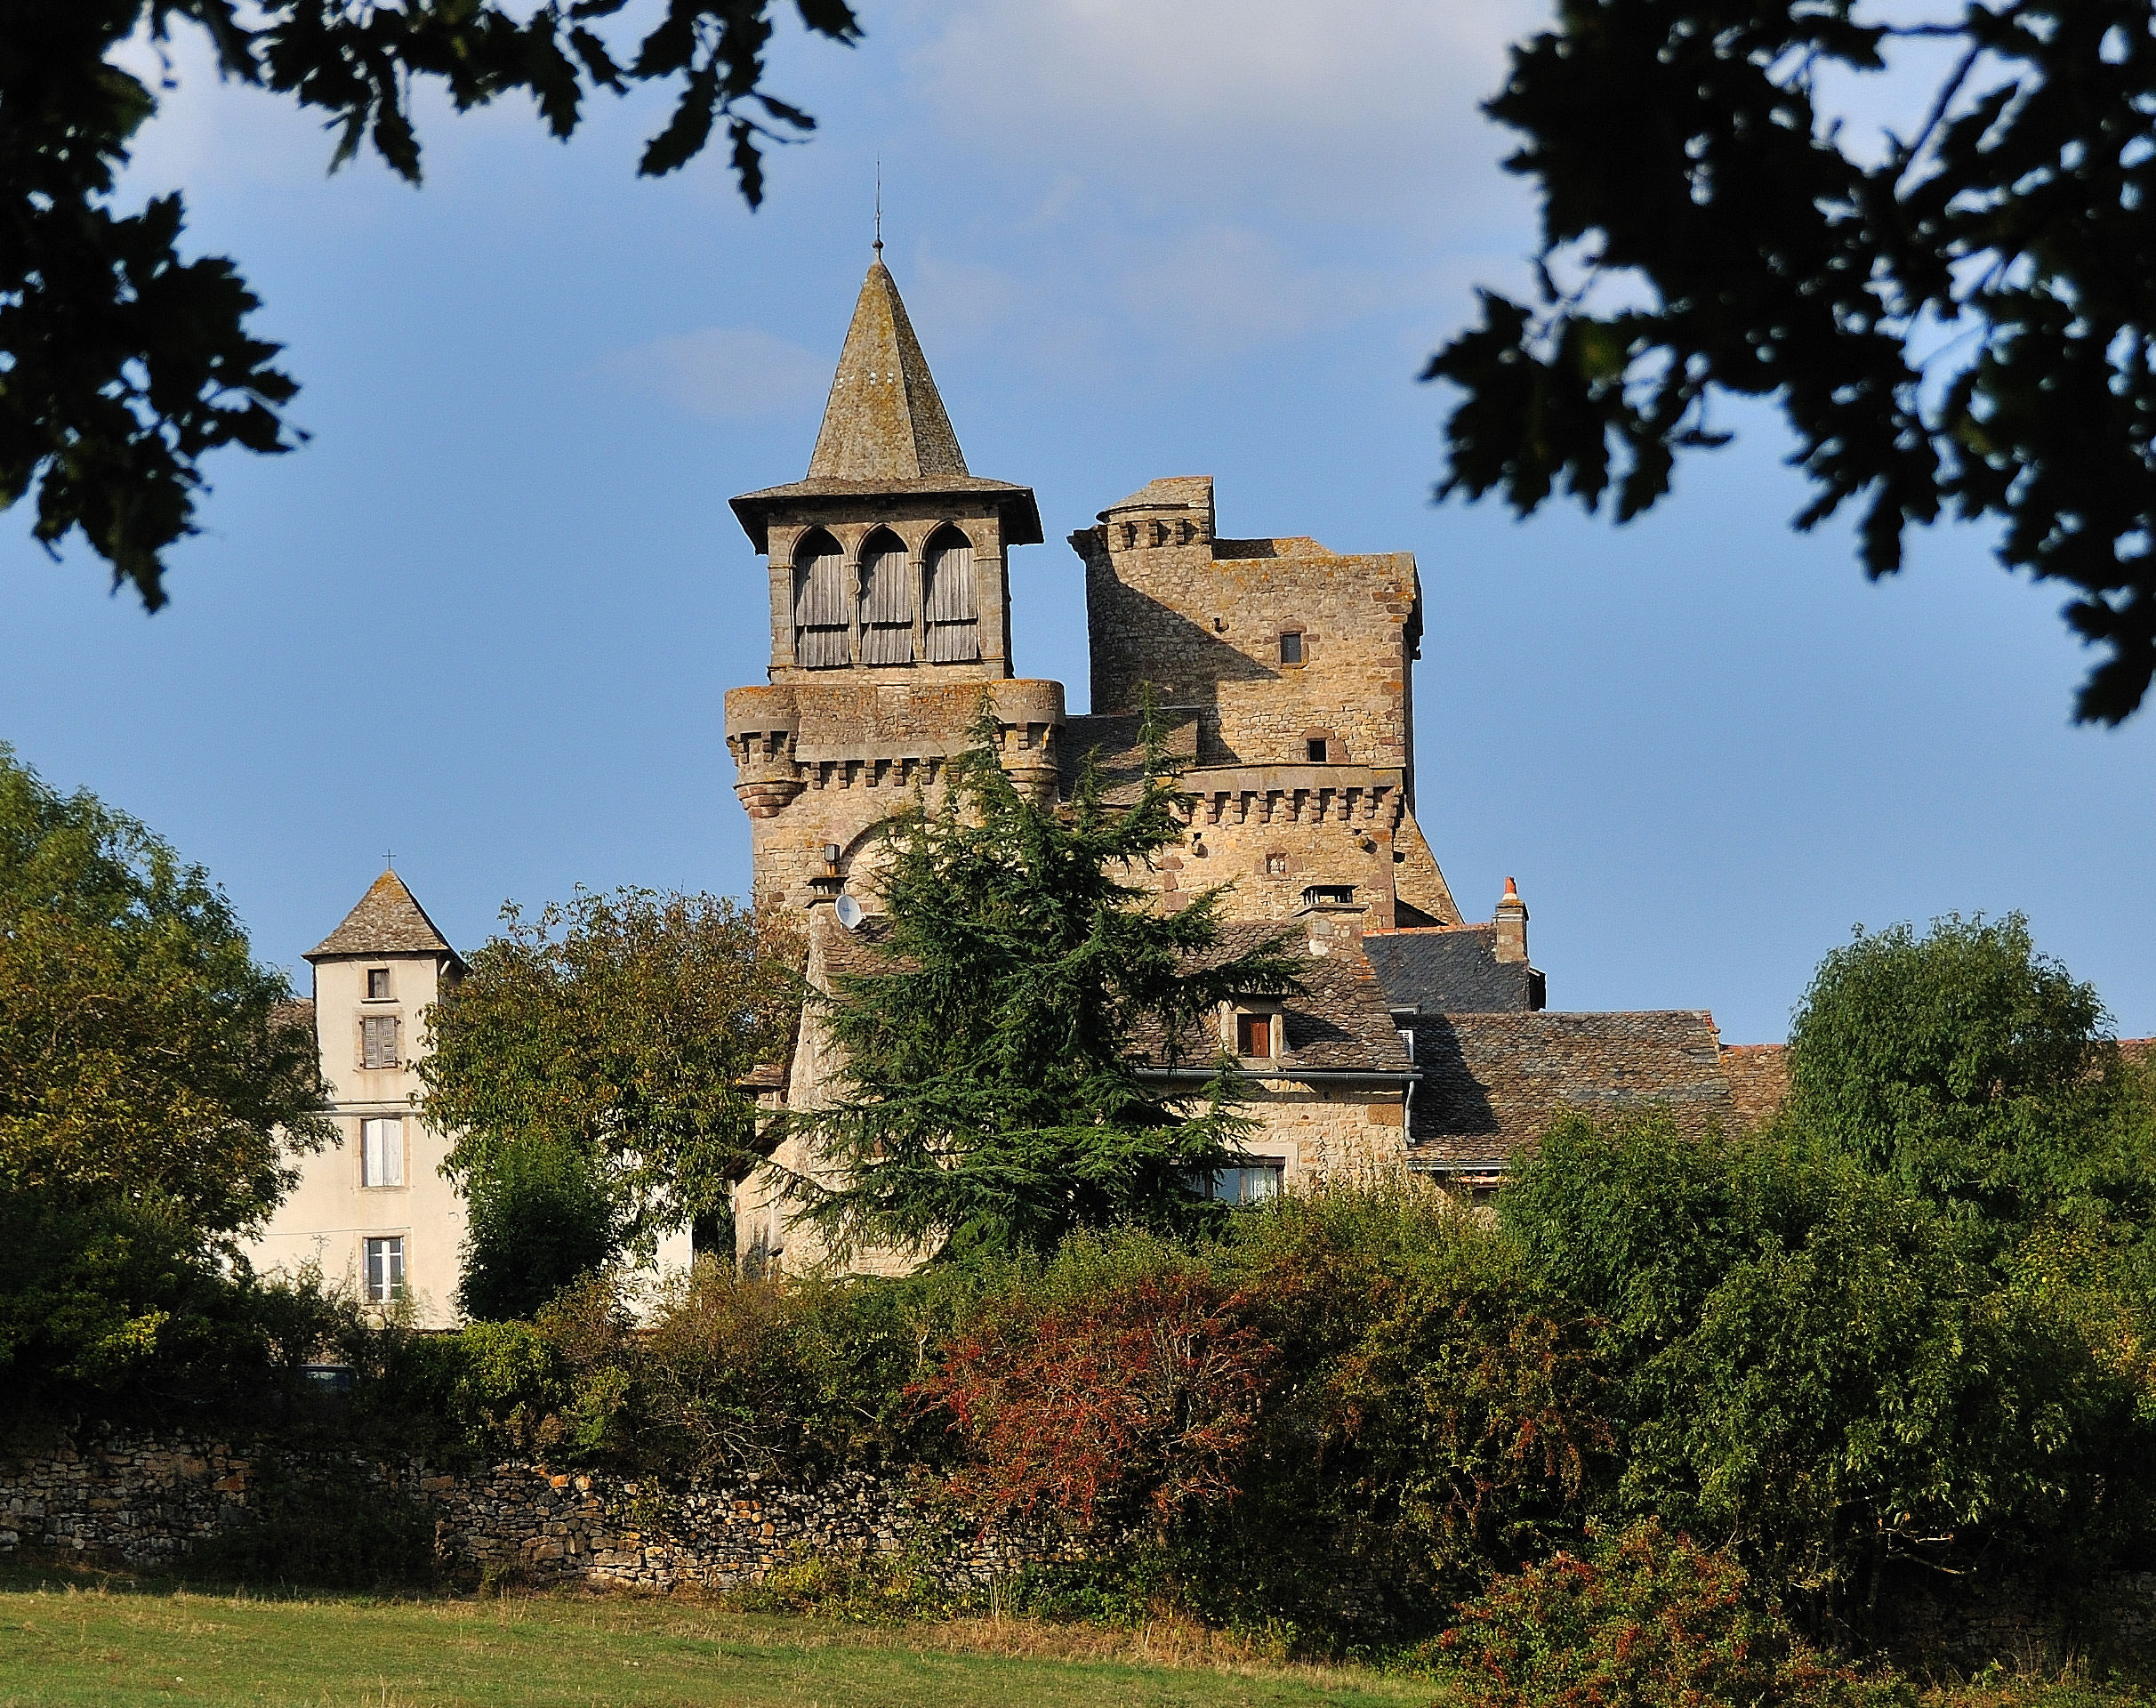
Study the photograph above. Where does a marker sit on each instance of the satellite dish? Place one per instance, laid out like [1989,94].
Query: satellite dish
[849,913]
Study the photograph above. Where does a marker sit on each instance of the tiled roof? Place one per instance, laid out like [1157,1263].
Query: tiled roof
[1758,1076]
[1493,1082]
[1119,755]
[1451,969]
[299,1012]
[884,420]
[1339,1024]
[388,920]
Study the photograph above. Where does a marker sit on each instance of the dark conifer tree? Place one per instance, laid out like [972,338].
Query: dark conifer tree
[991,1099]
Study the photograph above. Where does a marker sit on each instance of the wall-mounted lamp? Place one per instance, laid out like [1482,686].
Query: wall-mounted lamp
[830,853]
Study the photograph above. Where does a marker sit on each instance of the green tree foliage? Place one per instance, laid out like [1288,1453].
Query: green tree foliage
[125,362]
[540,1216]
[1828,1367]
[1970,1066]
[155,1090]
[991,1099]
[601,1040]
[1956,321]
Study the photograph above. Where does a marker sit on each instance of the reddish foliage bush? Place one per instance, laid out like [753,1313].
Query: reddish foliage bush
[1138,1396]
[1646,1620]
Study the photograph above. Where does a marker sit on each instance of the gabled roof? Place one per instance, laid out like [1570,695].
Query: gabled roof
[1451,970]
[885,431]
[388,920]
[1494,1083]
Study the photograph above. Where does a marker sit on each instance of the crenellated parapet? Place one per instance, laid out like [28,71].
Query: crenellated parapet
[820,767]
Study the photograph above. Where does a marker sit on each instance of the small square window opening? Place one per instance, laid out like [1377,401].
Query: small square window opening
[1290,648]
[377,984]
[381,1152]
[378,1041]
[1276,866]
[1316,748]
[385,1269]
[1254,1036]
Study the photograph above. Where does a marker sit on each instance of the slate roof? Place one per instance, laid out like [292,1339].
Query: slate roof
[299,1012]
[1494,1083]
[1340,1024]
[1119,755]
[885,431]
[1451,969]
[1758,1076]
[388,920]
[885,419]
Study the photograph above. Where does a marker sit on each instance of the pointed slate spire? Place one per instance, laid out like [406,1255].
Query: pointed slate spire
[388,920]
[884,421]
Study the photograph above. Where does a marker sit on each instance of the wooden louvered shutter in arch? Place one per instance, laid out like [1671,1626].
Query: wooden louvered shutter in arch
[954,629]
[887,603]
[819,606]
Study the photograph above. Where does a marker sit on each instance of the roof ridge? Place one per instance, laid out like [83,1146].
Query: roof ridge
[884,420]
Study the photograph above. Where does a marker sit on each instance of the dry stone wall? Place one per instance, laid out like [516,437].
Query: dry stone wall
[147,1501]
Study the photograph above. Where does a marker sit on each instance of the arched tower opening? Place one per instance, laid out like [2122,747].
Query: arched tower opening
[821,621]
[952,629]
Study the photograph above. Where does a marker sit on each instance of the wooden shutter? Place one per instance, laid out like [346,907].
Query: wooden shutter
[378,1041]
[887,605]
[954,629]
[820,620]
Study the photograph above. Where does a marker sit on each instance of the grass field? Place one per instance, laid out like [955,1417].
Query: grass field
[64,1646]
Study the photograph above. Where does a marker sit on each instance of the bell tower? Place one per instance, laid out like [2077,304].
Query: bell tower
[890,617]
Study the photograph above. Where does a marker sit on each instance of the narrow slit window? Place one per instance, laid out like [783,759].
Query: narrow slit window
[378,1041]
[1254,1036]
[887,603]
[1291,647]
[381,1156]
[953,619]
[821,622]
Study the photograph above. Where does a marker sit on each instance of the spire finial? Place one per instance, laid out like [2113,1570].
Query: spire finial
[879,207]
[389,858]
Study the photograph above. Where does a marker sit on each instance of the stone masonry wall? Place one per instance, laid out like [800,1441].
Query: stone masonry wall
[1204,631]
[146,1501]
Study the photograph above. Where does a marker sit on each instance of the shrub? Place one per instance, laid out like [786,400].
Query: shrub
[1124,1381]
[1643,1619]
[541,1218]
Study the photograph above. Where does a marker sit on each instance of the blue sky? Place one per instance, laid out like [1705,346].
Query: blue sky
[487,617]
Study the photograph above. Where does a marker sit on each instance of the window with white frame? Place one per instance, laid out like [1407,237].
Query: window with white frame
[382,1151]
[378,1041]
[385,1269]
[1251,1180]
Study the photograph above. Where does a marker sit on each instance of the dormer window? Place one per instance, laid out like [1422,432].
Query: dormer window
[1254,1036]
[378,984]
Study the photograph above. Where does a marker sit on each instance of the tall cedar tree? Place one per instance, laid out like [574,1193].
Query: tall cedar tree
[990,1095]
[613,1028]
[1954,318]
[126,363]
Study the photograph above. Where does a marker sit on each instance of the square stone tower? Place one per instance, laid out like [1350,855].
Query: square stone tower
[891,619]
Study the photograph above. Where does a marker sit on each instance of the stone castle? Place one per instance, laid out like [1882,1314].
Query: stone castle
[1285,672]
[1285,675]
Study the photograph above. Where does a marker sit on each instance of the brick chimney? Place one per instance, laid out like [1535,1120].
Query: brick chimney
[1511,925]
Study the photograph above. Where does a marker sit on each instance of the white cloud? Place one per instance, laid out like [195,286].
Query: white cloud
[733,373]
[1332,104]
